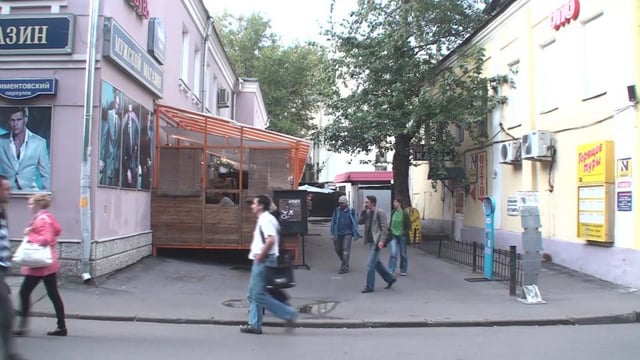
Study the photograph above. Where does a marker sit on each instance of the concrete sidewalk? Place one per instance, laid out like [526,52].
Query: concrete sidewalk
[164,289]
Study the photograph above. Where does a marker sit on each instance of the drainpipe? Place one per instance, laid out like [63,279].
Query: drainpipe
[234,104]
[203,74]
[85,170]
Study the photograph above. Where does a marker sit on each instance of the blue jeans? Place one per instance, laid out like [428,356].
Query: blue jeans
[342,245]
[398,243]
[374,264]
[259,298]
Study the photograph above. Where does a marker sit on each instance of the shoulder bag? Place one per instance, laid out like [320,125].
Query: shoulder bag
[279,276]
[33,255]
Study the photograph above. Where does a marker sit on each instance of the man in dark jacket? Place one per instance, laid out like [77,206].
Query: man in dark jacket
[375,234]
[344,228]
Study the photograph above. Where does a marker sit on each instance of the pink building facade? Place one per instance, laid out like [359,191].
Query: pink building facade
[148,52]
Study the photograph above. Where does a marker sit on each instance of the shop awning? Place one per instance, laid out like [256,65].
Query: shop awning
[364,176]
[192,126]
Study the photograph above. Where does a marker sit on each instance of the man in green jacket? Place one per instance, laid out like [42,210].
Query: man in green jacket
[399,232]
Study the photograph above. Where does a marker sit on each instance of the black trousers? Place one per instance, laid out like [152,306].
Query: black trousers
[51,285]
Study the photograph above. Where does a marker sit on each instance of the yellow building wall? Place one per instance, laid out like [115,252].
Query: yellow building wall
[520,37]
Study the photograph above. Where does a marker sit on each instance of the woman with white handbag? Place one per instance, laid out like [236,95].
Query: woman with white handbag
[43,230]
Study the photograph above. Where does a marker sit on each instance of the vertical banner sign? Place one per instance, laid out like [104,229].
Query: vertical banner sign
[482,174]
[472,169]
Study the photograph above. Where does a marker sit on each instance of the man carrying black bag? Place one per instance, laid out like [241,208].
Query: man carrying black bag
[264,253]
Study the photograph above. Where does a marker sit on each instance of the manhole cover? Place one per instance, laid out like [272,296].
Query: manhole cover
[237,303]
[319,308]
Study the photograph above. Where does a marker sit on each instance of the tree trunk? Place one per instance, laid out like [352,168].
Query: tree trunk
[401,164]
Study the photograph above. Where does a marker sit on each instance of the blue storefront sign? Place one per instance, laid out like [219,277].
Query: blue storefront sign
[36,34]
[131,57]
[625,201]
[20,89]
[156,43]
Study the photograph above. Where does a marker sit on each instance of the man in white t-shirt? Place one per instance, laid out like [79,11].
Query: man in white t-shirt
[264,251]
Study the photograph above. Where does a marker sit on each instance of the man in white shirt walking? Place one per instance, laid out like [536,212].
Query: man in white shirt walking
[264,252]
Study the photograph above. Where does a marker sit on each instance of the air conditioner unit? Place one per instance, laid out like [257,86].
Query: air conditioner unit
[536,145]
[223,98]
[510,152]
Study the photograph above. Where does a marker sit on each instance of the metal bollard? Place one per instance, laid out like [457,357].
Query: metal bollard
[513,275]
[474,266]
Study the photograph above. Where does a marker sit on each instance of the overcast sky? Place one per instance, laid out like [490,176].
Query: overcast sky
[292,20]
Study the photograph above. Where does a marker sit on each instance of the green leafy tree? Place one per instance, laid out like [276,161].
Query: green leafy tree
[295,80]
[389,55]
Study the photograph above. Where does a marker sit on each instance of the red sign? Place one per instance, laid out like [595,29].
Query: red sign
[141,7]
[482,174]
[590,159]
[564,14]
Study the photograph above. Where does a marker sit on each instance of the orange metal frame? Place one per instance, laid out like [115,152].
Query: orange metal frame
[207,124]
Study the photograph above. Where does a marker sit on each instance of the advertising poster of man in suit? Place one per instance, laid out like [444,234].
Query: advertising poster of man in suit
[130,144]
[146,149]
[110,131]
[24,147]
[126,141]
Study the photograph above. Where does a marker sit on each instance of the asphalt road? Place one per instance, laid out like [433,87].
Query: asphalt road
[97,340]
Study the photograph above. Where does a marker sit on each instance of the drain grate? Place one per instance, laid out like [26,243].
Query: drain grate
[237,303]
[318,308]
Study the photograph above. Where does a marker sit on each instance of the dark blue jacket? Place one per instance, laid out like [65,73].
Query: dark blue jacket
[354,223]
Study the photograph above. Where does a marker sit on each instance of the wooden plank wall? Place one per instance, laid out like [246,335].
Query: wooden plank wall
[222,225]
[176,220]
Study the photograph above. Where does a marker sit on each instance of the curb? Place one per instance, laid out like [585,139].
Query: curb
[626,318]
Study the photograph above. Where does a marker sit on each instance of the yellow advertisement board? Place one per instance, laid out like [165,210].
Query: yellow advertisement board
[596,162]
[595,209]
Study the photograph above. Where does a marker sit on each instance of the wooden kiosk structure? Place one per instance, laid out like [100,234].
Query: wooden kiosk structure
[207,171]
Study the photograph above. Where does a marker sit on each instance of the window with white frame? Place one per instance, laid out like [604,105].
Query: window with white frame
[514,103]
[549,81]
[184,64]
[197,69]
[595,39]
